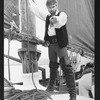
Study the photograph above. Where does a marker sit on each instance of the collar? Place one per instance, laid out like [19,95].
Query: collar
[56,12]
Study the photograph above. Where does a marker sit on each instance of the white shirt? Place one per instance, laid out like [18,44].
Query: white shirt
[61,19]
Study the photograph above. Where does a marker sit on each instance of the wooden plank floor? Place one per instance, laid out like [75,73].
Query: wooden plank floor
[16,76]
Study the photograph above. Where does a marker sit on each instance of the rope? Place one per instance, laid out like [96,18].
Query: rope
[32,77]
[9,39]
[28,44]
[31,95]
[73,57]
[8,56]
[38,92]
[27,28]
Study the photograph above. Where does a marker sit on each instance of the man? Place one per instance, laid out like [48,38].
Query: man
[56,35]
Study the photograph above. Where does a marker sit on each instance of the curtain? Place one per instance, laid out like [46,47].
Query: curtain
[80,23]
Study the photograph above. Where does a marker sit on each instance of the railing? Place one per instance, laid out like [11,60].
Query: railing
[40,68]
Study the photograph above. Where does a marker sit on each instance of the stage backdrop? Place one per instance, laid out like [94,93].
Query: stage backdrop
[80,23]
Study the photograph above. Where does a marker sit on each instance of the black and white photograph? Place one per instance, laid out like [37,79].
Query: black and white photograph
[49,50]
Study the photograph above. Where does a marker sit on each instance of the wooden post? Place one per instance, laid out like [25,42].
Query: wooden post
[28,52]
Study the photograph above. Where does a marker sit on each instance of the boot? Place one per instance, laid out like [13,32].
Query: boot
[53,73]
[70,80]
[70,77]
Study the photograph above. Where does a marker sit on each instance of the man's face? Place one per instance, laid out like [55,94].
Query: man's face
[52,9]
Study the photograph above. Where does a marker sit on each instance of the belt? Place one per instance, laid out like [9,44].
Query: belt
[53,39]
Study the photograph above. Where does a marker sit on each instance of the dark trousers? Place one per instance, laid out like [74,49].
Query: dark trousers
[56,52]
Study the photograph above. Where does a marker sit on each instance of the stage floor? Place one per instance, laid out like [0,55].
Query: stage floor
[66,97]
[16,76]
[57,96]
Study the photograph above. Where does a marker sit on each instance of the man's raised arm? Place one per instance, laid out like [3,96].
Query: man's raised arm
[36,10]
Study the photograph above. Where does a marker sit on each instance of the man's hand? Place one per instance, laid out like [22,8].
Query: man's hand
[46,44]
[53,19]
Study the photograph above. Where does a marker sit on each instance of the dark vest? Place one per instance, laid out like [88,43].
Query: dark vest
[61,33]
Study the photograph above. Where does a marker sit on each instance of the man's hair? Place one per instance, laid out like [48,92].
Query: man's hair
[50,2]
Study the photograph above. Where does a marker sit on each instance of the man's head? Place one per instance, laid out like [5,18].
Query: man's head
[52,6]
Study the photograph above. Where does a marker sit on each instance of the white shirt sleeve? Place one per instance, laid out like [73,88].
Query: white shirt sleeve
[37,11]
[61,20]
